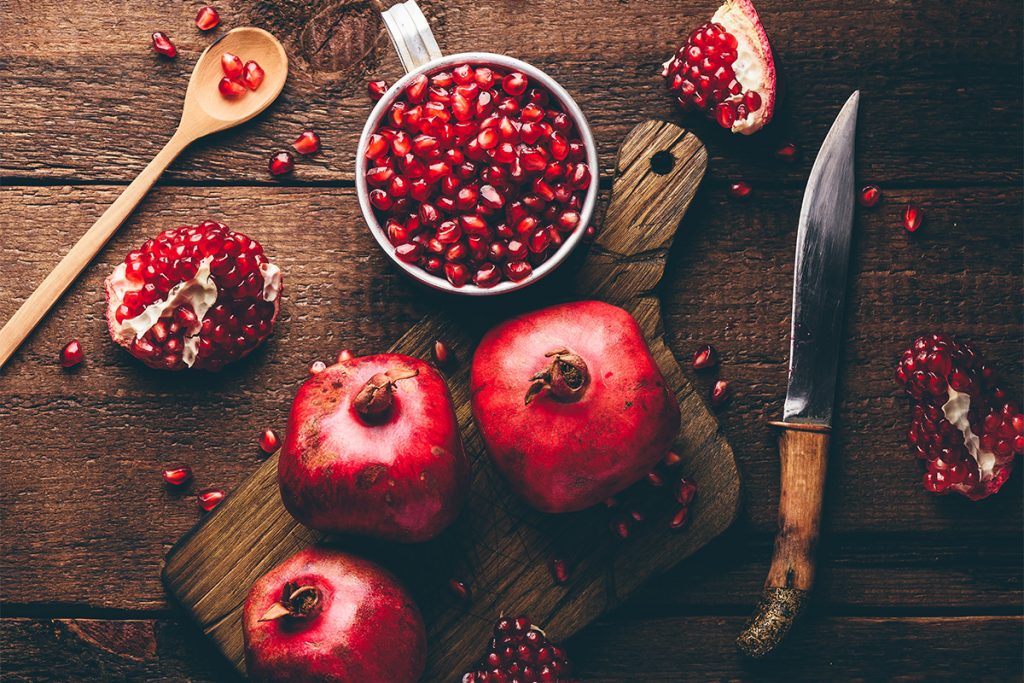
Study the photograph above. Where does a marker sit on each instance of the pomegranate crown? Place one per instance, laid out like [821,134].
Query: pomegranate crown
[297,602]
[566,378]
[375,400]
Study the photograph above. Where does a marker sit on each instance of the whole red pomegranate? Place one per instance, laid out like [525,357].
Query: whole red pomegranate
[193,297]
[964,430]
[324,615]
[571,404]
[726,70]
[373,448]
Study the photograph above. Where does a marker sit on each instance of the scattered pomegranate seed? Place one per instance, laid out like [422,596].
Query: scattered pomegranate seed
[705,357]
[281,163]
[620,526]
[685,491]
[178,475]
[671,459]
[316,367]
[869,195]
[269,442]
[231,88]
[912,218]
[163,45]
[307,143]
[209,499]
[611,502]
[636,515]
[459,589]
[589,234]
[207,18]
[559,571]
[344,355]
[72,354]
[442,355]
[252,75]
[678,520]
[787,152]
[655,479]
[376,89]
[740,190]
[720,392]
[231,65]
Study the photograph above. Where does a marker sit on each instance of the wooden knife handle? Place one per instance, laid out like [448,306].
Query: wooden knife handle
[803,451]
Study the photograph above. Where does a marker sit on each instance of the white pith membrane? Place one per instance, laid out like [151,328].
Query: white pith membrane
[955,409]
[749,64]
[200,293]
[271,282]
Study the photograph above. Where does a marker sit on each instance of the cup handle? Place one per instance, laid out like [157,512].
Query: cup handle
[410,34]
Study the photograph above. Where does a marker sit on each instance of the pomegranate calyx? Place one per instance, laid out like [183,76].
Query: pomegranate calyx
[375,399]
[566,378]
[299,602]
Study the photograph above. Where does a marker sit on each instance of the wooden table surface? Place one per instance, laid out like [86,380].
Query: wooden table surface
[911,587]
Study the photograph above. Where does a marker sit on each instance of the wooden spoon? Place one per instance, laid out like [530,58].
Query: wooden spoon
[206,111]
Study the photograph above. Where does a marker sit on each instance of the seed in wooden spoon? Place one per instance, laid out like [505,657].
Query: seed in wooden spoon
[72,354]
[912,218]
[209,499]
[280,163]
[231,65]
[207,18]
[252,75]
[231,88]
[163,45]
[307,143]
[178,475]
[376,89]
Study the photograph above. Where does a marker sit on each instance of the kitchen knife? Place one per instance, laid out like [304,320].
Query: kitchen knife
[819,286]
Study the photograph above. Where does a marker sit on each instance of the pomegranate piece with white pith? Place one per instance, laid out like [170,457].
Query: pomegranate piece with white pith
[520,651]
[726,70]
[468,162]
[373,447]
[196,296]
[324,615]
[571,404]
[964,430]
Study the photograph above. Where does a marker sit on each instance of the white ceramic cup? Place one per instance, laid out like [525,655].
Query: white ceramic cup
[420,54]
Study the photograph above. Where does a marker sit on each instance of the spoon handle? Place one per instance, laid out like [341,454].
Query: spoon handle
[60,278]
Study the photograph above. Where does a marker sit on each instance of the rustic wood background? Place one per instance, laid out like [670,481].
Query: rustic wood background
[912,586]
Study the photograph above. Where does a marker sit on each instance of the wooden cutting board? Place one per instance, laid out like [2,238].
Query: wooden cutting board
[499,547]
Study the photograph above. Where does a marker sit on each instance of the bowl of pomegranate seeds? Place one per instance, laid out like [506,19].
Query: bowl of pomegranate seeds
[475,172]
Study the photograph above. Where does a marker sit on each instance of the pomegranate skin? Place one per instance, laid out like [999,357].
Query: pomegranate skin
[365,628]
[401,476]
[567,455]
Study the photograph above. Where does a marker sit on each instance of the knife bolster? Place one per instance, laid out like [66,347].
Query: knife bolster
[803,454]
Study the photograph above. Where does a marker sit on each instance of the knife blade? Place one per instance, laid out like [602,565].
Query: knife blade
[819,279]
[819,288]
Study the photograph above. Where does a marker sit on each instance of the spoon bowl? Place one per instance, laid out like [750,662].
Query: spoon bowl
[206,108]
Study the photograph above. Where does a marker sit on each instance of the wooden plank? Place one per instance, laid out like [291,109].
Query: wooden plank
[666,650]
[79,482]
[930,100]
[499,546]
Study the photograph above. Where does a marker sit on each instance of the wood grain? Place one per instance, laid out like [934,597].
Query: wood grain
[499,546]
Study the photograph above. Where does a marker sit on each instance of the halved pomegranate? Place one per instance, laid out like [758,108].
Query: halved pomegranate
[726,70]
[195,296]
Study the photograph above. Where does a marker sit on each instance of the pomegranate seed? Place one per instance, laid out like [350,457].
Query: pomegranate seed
[725,114]
[518,270]
[163,45]
[869,196]
[231,88]
[678,520]
[231,65]
[442,355]
[720,393]
[589,234]
[787,152]
[655,479]
[685,491]
[488,275]
[209,498]
[456,273]
[307,143]
[376,89]
[72,354]
[514,84]
[705,357]
[207,18]
[269,442]
[316,367]
[559,571]
[178,475]
[281,163]
[620,526]
[252,75]
[912,218]
[459,589]
[671,459]
[344,356]
[740,190]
